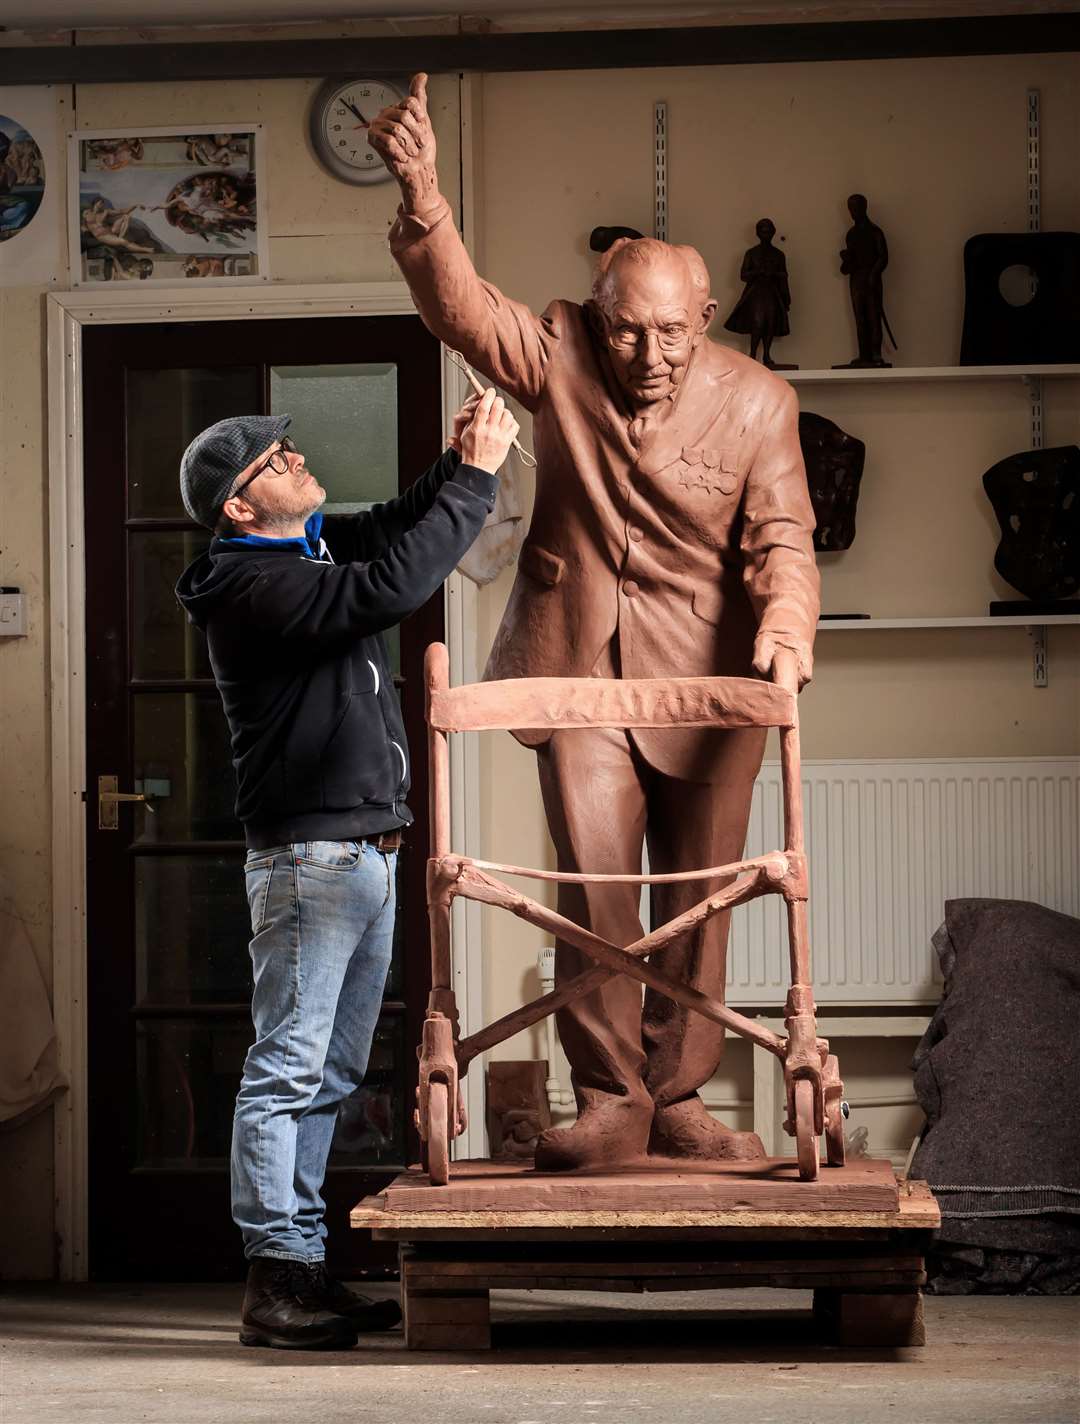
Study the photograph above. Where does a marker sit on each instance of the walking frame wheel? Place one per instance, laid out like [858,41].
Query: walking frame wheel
[805,1137]
[438,1142]
[435,1092]
[833,1092]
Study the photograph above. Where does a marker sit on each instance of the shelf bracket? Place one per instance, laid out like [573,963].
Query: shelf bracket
[1034,216]
[1034,387]
[660,143]
[1040,669]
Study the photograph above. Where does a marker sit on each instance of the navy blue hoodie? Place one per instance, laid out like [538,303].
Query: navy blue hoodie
[294,633]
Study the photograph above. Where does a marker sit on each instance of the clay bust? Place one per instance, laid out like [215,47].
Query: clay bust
[863,260]
[762,311]
[671,536]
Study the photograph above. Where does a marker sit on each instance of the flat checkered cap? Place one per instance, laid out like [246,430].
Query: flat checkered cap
[212,461]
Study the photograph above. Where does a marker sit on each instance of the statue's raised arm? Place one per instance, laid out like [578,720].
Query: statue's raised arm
[502,338]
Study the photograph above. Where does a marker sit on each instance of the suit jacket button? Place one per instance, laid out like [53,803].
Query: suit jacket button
[727,484]
[637,534]
[631,588]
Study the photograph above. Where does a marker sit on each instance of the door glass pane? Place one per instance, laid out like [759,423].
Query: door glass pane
[183,762]
[187,1076]
[370,1128]
[164,411]
[395,979]
[164,643]
[188,1073]
[344,419]
[192,927]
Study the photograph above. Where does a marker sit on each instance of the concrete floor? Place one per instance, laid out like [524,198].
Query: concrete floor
[142,1354]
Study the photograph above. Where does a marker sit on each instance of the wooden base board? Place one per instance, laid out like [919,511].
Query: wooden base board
[772,1185]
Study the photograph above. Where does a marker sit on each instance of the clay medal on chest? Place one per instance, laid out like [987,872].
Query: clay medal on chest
[707,469]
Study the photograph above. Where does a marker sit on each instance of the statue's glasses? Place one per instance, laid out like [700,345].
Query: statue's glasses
[629,338]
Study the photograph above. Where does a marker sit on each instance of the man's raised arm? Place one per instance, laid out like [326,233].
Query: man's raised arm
[502,338]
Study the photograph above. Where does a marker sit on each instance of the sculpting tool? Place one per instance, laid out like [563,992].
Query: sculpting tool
[525,456]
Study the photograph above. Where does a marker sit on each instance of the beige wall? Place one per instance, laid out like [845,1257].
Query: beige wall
[939,148]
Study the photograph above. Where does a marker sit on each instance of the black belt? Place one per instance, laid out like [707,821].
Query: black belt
[386,841]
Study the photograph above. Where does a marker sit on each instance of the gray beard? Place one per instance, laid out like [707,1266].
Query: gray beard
[279,524]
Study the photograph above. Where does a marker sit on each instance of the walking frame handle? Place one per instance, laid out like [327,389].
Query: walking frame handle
[785,669]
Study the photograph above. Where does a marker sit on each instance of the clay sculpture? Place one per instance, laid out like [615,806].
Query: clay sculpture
[671,538]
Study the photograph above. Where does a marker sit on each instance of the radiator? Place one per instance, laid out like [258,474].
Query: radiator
[888,843]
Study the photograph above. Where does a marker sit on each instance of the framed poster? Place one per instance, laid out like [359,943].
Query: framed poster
[31,187]
[168,205]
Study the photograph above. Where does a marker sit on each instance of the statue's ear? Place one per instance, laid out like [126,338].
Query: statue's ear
[708,311]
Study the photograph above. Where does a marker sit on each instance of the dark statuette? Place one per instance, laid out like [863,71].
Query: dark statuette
[1036,497]
[834,467]
[601,238]
[1030,321]
[863,260]
[762,311]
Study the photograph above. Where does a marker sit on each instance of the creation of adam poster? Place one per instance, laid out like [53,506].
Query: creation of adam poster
[168,205]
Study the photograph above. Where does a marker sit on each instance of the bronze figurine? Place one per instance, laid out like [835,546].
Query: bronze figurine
[762,311]
[863,260]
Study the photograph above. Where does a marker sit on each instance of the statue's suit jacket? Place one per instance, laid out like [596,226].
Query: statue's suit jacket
[675,533]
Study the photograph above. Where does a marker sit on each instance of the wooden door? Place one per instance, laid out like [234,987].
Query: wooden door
[168,969]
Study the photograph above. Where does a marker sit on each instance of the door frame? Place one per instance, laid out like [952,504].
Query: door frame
[67,313]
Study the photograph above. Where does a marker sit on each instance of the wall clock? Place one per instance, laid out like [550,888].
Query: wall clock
[340,114]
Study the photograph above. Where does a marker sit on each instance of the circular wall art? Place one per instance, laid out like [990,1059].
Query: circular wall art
[22,178]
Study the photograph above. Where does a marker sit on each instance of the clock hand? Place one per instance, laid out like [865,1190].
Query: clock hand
[363,122]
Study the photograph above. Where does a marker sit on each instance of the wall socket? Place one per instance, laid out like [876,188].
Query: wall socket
[12,613]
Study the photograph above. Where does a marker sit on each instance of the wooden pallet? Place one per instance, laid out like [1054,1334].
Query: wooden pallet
[865,1268]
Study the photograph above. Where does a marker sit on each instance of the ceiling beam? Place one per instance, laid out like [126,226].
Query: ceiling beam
[580,49]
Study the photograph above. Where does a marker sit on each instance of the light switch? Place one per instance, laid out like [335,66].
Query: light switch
[12,613]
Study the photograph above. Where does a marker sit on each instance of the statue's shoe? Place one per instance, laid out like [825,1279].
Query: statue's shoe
[687,1129]
[612,1133]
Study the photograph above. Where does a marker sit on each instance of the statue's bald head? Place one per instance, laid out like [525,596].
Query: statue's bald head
[639,255]
[651,300]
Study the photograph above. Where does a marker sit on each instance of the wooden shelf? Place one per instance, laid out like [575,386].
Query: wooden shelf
[1023,620]
[930,373]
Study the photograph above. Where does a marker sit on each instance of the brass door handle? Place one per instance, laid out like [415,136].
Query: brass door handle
[108,800]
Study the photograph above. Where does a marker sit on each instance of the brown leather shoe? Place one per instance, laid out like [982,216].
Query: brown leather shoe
[611,1132]
[687,1129]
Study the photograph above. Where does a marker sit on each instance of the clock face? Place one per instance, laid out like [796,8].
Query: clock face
[339,124]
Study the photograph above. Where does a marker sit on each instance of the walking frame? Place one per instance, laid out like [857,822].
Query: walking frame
[813,1089]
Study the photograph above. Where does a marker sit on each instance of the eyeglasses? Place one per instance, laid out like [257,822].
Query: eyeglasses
[275,462]
[628,338]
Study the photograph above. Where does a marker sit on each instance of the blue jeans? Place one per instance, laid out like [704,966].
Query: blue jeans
[322,923]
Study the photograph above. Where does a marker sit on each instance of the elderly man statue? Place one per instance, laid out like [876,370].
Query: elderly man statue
[671,537]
